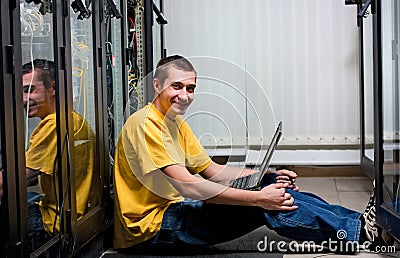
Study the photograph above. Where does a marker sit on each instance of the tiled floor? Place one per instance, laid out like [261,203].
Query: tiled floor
[351,192]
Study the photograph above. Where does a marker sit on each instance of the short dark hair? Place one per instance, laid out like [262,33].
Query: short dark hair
[44,68]
[176,61]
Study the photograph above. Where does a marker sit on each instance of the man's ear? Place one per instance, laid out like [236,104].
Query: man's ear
[157,86]
[53,87]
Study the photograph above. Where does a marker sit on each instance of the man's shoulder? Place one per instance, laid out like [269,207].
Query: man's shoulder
[48,122]
[139,115]
[142,116]
[49,118]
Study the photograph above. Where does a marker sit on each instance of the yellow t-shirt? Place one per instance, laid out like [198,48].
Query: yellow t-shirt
[41,156]
[147,142]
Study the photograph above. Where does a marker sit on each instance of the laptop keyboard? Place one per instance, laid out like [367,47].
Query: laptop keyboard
[245,181]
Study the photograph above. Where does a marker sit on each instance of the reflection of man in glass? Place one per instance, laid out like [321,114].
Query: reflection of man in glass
[41,156]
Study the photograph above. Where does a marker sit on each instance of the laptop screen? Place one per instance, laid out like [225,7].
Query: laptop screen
[268,156]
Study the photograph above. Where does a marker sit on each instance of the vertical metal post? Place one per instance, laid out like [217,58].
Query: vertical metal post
[148,49]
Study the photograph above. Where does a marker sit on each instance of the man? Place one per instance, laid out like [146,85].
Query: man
[41,157]
[167,190]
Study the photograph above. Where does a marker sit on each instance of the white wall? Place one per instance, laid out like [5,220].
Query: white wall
[301,55]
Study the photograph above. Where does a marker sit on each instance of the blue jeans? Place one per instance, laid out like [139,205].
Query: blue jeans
[201,224]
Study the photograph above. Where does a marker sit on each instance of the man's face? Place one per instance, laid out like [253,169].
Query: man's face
[38,101]
[177,92]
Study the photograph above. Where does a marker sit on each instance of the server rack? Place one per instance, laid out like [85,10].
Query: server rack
[46,32]
[13,207]
[100,60]
[380,105]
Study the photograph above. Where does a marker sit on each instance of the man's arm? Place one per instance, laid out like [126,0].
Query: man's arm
[272,197]
[31,178]
[219,173]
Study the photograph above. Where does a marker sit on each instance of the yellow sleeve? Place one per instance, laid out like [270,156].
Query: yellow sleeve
[196,158]
[155,147]
[42,149]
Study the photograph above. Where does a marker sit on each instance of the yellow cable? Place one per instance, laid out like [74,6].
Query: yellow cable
[135,88]
[84,99]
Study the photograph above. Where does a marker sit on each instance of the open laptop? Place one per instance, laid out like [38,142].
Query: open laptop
[254,181]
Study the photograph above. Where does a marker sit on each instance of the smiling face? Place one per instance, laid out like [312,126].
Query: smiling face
[174,96]
[38,100]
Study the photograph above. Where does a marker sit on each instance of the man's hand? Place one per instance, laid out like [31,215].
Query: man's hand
[32,176]
[288,177]
[274,197]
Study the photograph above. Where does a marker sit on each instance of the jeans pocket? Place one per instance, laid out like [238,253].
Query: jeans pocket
[172,219]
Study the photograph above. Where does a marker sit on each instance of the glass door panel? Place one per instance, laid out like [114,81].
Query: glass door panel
[37,43]
[368,80]
[87,183]
[390,104]
[39,98]
[13,213]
